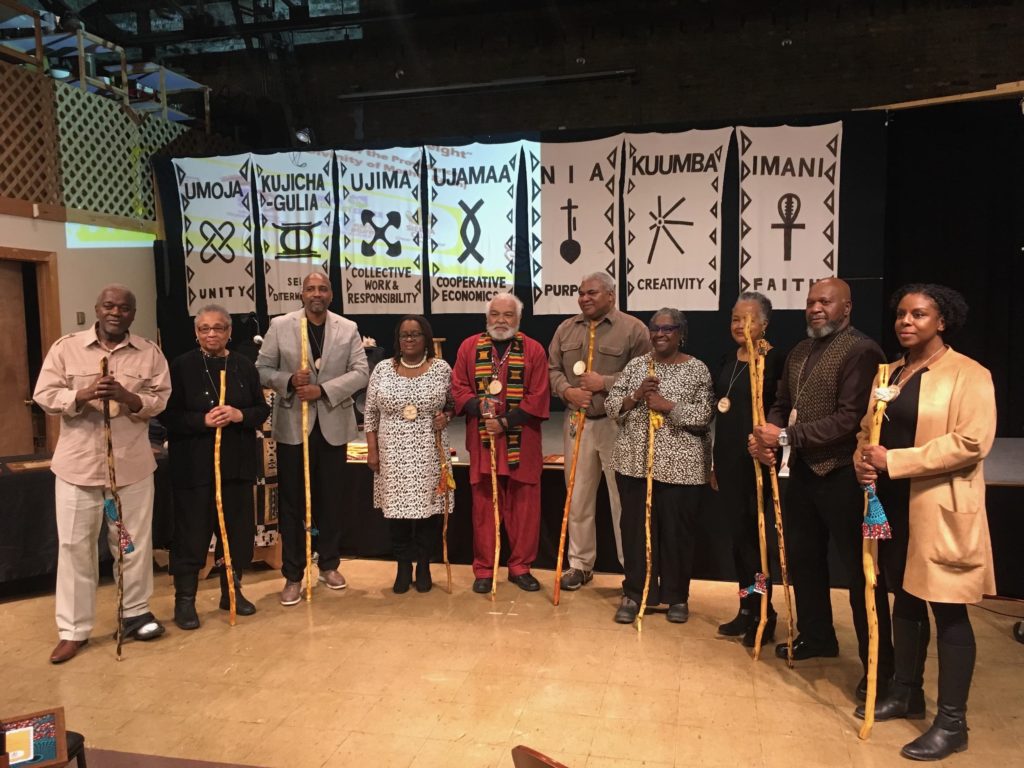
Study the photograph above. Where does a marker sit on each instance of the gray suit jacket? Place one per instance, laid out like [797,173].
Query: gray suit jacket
[343,372]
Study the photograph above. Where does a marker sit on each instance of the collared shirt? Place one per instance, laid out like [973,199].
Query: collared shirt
[73,363]
[618,339]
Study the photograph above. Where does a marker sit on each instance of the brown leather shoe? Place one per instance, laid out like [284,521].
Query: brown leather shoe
[333,579]
[66,650]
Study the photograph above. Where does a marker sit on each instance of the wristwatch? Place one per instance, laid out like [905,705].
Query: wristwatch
[783,438]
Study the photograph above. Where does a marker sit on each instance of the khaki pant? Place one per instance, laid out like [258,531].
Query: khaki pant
[79,518]
[596,449]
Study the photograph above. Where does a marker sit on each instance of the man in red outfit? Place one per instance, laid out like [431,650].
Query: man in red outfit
[500,381]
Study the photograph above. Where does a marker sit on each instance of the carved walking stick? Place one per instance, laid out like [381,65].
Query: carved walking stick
[228,569]
[654,423]
[115,514]
[446,483]
[304,331]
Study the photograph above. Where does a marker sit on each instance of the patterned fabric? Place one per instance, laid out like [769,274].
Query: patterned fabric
[486,369]
[817,396]
[682,447]
[759,587]
[410,468]
[124,539]
[876,524]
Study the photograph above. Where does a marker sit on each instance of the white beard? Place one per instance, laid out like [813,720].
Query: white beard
[500,335]
[820,333]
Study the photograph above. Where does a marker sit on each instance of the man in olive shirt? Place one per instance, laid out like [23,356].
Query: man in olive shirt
[618,338]
[137,388]
[821,399]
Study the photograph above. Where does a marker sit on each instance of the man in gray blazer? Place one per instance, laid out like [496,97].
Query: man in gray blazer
[337,371]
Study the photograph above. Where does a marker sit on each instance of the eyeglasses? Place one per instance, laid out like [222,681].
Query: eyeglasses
[664,328]
[214,328]
[410,335]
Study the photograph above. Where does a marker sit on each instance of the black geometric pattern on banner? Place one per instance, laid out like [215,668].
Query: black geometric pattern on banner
[348,241]
[190,272]
[714,183]
[718,154]
[248,268]
[630,186]
[327,167]
[789,210]
[348,284]
[714,236]
[513,160]
[434,268]
[714,209]
[185,203]
[829,232]
[344,193]
[327,243]
[416,261]
[249,292]
[380,233]
[416,192]
[417,287]
[247,223]
[630,215]
[744,171]
[609,242]
[534,215]
[613,157]
[534,242]
[191,295]
[470,232]
[632,150]
[744,228]
[348,262]
[431,161]
[327,217]
[245,168]
[264,220]
[433,293]
[744,257]
[661,224]
[509,216]
[433,245]
[245,202]
[745,142]
[433,194]
[744,283]
[511,191]
[266,267]
[833,145]
[830,173]
[829,260]
[609,213]
[263,200]
[744,200]
[632,237]
[416,166]
[188,223]
[266,248]
[508,243]
[610,186]
[217,244]
[416,217]
[536,267]
[610,269]
[510,263]
[536,294]
[713,285]
[259,170]
[248,244]
[534,190]
[416,238]
[179,172]
[830,202]
[629,289]
[342,168]
[629,265]
[713,263]
[534,162]
[325,265]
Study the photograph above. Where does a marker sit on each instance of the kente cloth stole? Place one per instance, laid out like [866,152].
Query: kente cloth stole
[483,373]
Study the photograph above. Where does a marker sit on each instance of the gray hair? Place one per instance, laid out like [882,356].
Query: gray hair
[678,318]
[606,280]
[505,295]
[116,287]
[213,309]
[763,302]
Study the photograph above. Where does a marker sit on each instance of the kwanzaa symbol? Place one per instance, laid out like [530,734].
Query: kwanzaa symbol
[394,219]
[570,249]
[221,249]
[662,222]
[789,210]
[470,241]
[295,240]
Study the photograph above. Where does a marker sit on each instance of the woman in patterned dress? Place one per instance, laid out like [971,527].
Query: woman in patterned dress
[680,390]
[408,401]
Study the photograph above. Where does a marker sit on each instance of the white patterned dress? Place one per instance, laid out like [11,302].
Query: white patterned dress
[406,485]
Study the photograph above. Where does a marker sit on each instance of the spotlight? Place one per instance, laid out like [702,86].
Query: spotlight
[304,135]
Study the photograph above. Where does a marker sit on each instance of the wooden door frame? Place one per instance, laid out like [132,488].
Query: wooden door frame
[48,294]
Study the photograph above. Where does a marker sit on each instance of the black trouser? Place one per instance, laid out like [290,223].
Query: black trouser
[325,473]
[673,521]
[817,509]
[738,497]
[195,520]
[414,540]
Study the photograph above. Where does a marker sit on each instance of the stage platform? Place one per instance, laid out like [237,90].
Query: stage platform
[363,677]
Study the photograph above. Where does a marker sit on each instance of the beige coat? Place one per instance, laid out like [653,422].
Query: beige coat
[949,558]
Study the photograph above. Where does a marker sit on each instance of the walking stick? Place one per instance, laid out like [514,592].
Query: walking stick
[874,527]
[115,515]
[228,570]
[304,330]
[654,422]
[446,483]
[755,367]
[581,417]
[497,516]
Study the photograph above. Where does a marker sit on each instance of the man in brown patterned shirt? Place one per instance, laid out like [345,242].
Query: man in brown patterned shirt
[822,396]
[137,388]
[618,338]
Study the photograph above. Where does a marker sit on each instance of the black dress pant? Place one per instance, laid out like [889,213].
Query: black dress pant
[737,493]
[195,520]
[818,509]
[325,473]
[414,540]
[673,520]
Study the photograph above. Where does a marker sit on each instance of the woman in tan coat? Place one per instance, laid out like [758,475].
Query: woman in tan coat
[940,424]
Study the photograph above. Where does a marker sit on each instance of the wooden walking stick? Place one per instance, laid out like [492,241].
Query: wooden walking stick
[654,423]
[487,412]
[446,483]
[304,331]
[755,367]
[115,514]
[581,420]
[228,570]
[874,527]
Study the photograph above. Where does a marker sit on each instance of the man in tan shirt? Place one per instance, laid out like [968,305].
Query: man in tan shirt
[618,338]
[137,388]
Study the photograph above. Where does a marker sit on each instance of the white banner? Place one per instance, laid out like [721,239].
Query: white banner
[673,201]
[471,242]
[789,209]
[216,231]
[295,191]
[381,231]
[574,198]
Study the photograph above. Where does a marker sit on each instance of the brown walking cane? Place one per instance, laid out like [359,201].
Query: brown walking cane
[228,570]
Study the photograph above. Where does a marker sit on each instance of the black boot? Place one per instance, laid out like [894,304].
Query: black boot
[948,733]
[423,580]
[403,578]
[905,697]
[750,636]
[739,625]
[185,586]
[242,606]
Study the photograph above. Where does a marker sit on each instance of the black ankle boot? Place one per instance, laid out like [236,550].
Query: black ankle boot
[905,697]
[738,625]
[242,606]
[185,586]
[948,733]
[750,636]
[403,579]
[423,580]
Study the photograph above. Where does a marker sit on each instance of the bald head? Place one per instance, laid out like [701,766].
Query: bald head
[828,307]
